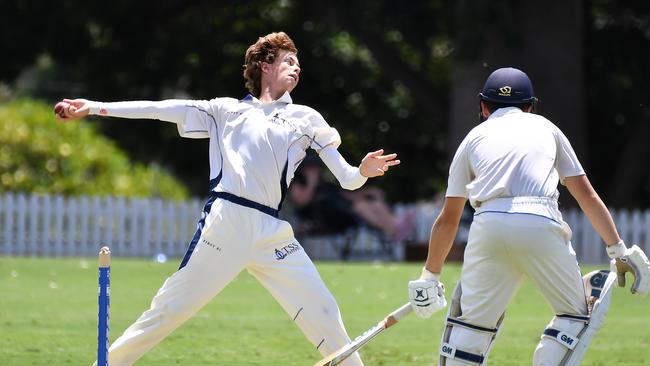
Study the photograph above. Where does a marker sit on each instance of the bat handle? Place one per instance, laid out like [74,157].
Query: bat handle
[397,315]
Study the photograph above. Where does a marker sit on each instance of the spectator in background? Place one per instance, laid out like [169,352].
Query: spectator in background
[370,203]
[316,207]
[321,208]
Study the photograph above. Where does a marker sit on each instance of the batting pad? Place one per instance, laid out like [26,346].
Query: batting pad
[598,287]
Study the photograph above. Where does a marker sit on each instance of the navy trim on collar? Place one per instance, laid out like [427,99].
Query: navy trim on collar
[284,98]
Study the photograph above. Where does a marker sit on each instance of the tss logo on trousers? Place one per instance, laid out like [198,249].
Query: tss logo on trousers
[283,252]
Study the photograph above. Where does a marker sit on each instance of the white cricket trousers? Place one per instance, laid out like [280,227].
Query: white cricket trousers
[504,246]
[236,237]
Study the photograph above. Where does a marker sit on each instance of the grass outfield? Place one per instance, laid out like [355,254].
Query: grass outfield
[48,316]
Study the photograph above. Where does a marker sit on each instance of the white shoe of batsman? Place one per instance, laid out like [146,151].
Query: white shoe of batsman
[427,294]
[635,261]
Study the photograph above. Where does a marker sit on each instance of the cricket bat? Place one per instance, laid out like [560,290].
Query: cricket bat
[344,352]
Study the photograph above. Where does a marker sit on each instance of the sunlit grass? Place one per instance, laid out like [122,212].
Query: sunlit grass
[48,316]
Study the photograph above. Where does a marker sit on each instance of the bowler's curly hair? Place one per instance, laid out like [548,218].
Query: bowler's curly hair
[264,50]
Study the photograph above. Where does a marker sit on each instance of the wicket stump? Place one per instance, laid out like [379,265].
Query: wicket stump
[104,304]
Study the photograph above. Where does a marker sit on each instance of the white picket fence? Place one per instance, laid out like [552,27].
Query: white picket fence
[633,227]
[45,225]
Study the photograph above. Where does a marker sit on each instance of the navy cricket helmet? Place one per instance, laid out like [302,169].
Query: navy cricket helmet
[508,86]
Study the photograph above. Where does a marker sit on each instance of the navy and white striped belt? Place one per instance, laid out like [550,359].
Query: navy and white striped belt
[245,202]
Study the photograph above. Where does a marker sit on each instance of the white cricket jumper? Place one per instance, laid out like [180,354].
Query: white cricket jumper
[509,167]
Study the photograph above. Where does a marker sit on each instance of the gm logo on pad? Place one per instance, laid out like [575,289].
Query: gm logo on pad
[568,340]
[447,350]
[505,91]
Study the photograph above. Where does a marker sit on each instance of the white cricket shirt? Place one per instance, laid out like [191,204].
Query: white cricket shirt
[255,147]
[511,154]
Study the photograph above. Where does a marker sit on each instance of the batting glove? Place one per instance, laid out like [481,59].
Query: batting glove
[427,294]
[631,260]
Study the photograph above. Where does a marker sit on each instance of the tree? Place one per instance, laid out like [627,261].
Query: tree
[404,77]
[38,154]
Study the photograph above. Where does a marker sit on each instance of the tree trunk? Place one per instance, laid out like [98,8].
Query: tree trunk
[519,35]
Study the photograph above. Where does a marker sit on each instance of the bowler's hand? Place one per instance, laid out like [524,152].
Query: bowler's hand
[376,164]
[427,294]
[71,109]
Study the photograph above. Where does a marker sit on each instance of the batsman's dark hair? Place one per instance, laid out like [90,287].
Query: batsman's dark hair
[492,106]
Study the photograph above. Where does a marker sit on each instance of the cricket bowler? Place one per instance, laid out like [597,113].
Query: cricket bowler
[256,144]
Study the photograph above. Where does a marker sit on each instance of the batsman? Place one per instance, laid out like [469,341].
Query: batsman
[508,167]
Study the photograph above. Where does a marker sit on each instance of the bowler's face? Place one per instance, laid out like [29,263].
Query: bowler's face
[284,72]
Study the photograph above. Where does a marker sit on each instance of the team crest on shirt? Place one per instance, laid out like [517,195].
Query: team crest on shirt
[286,250]
[276,119]
[233,115]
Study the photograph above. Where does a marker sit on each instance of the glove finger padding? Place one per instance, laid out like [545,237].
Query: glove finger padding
[621,270]
[636,262]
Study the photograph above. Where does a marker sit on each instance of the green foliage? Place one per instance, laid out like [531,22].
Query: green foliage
[379,71]
[39,154]
[374,77]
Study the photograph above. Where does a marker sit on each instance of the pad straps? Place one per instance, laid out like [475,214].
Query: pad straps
[567,340]
[449,351]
